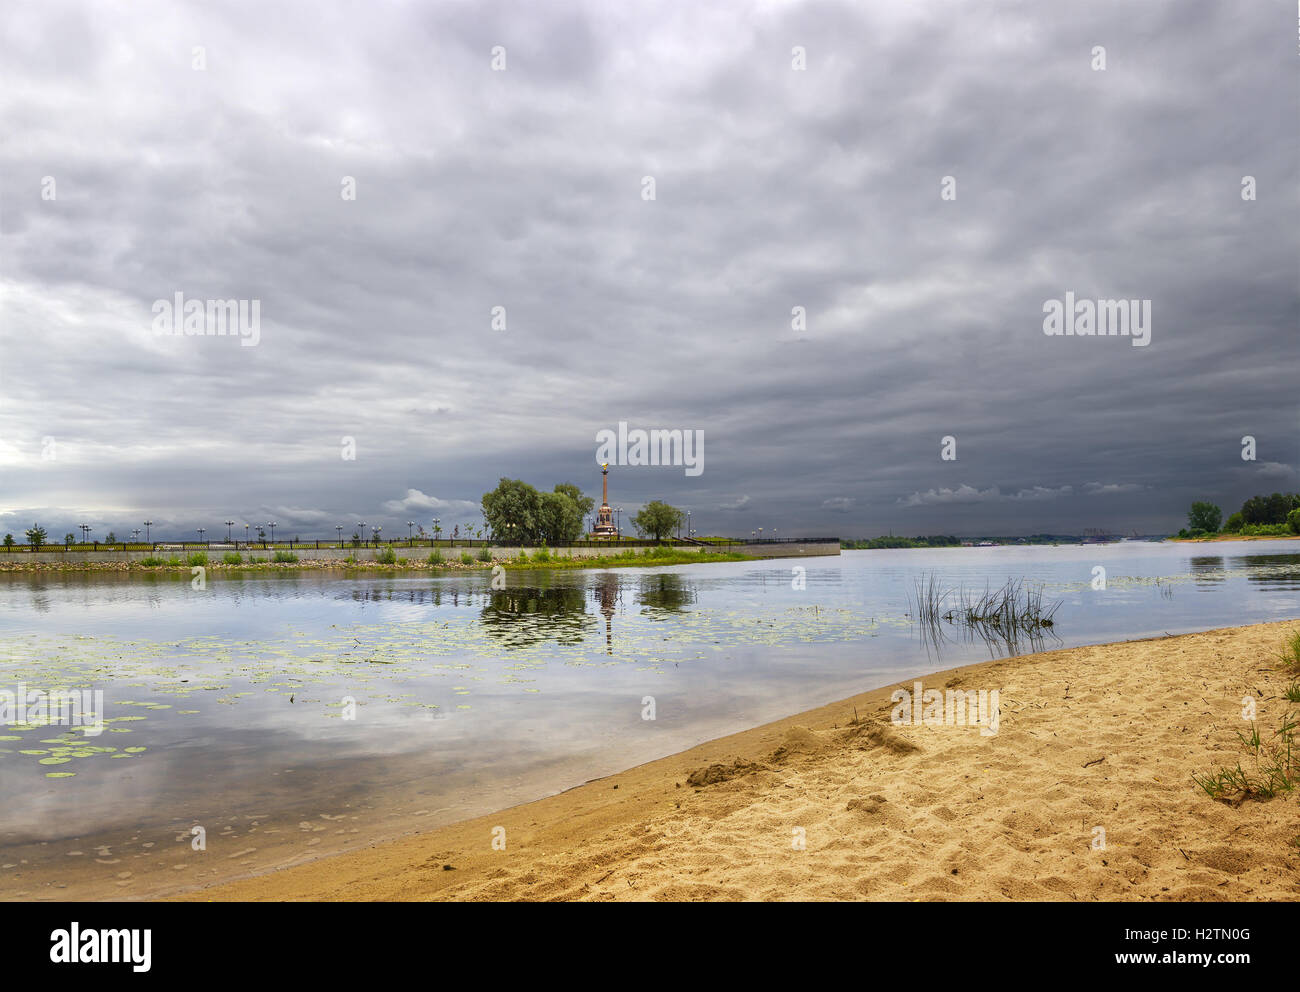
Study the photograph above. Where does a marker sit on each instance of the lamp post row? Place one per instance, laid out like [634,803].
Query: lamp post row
[375,532]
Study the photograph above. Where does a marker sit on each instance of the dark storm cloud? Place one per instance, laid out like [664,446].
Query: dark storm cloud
[775,189]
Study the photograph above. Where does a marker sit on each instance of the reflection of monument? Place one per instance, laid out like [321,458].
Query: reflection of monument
[604,516]
[608,599]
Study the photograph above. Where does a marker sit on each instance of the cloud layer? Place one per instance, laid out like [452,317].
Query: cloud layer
[775,189]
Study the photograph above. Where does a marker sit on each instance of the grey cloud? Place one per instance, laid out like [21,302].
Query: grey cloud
[521,189]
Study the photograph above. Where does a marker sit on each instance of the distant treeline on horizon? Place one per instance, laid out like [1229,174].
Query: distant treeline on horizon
[1275,515]
[949,541]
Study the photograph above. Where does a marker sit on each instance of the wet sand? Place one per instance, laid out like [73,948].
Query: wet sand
[1084,793]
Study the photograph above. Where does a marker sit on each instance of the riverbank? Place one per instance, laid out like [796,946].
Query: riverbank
[648,557]
[418,556]
[1233,537]
[1085,792]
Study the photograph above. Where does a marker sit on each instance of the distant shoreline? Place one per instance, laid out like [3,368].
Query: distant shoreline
[183,566]
[1234,537]
[1077,544]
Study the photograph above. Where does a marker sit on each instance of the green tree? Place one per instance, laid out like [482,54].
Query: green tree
[559,517]
[657,519]
[1293,520]
[1272,509]
[69,539]
[1204,516]
[512,510]
[1254,510]
[1278,506]
[111,539]
[584,503]
[9,540]
[1234,523]
[36,536]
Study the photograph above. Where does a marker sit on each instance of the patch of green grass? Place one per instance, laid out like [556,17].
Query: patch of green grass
[386,557]
[232,558]
[630,557]
[1291,652]
[199,558]
[1277,766]
[484,554]
[435,557]
[466,558]
[152,561]
[285,557]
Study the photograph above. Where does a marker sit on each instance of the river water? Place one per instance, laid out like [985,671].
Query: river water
[290,714]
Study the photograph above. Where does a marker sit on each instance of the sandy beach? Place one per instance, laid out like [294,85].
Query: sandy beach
[1090,739]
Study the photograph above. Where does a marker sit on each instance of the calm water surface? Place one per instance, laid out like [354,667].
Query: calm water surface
[234,699]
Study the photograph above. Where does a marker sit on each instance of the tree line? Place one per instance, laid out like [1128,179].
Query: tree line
[1274,515]
[519,513]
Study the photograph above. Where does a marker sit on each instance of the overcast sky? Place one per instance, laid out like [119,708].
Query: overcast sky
[775,187]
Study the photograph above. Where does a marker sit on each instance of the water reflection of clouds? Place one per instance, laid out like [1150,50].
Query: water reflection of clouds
[406,643]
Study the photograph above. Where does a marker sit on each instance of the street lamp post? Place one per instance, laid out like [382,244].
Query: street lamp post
[409,525]
[147,525]
[245,535]
[200,530]
[618,522]
[271,524]
[361,531]
[229,524]
[339,528]
[134,534]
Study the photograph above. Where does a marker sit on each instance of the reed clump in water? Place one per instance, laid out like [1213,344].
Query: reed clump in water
[1012,607]
[1010,620]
